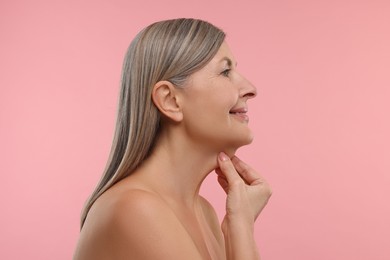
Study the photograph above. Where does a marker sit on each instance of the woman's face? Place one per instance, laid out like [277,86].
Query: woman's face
[214,103]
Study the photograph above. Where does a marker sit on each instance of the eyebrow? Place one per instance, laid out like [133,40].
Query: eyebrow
[228,60]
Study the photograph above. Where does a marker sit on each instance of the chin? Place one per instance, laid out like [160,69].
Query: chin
[231,150]
[248,139]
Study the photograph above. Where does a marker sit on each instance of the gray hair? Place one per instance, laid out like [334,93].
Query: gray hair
[167,50]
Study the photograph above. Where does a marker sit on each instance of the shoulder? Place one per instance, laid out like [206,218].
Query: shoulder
[135,224]
[130,204]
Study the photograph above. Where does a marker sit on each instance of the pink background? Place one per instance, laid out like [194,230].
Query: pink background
[321,119]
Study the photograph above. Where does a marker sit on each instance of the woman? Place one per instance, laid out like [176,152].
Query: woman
[182,114]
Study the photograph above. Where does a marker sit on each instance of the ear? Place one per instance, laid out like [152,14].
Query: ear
[164,96]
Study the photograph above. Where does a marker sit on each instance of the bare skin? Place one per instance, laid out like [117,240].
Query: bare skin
[157,212]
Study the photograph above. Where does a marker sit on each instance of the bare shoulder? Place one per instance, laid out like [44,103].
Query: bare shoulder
[133,224]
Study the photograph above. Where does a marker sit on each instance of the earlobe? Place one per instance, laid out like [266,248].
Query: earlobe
[165,98]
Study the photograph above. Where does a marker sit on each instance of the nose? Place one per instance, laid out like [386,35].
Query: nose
[247,90]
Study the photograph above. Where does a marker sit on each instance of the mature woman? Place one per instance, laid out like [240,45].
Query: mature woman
[182,114]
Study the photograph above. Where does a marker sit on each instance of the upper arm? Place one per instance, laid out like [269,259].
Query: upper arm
[139,226]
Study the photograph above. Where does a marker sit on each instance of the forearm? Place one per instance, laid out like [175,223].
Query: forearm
[247,194]
[239,241]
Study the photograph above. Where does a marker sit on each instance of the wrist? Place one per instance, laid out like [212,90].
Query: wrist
[238,224]
[239,241]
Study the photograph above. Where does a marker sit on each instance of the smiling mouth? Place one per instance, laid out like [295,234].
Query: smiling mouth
[240,113]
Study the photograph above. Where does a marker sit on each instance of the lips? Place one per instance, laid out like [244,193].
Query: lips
[240,113]
[241,110]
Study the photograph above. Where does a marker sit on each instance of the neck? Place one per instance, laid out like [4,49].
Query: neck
[177,167]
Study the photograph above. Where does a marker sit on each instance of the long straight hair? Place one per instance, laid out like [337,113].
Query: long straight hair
[168,50]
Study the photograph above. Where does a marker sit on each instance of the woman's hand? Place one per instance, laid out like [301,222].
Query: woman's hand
[247,192]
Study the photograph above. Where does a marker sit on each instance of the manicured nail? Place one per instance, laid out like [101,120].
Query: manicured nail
[223,156]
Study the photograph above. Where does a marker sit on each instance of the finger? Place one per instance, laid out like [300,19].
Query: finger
[222,180]
[227,168]
[223,183]
[246,172]
[220,173]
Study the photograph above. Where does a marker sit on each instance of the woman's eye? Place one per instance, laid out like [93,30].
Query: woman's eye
[226,72]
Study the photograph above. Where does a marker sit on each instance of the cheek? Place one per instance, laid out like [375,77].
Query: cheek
[209,107]
[221,99]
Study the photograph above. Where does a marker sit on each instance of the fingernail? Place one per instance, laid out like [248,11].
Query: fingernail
[223,157]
